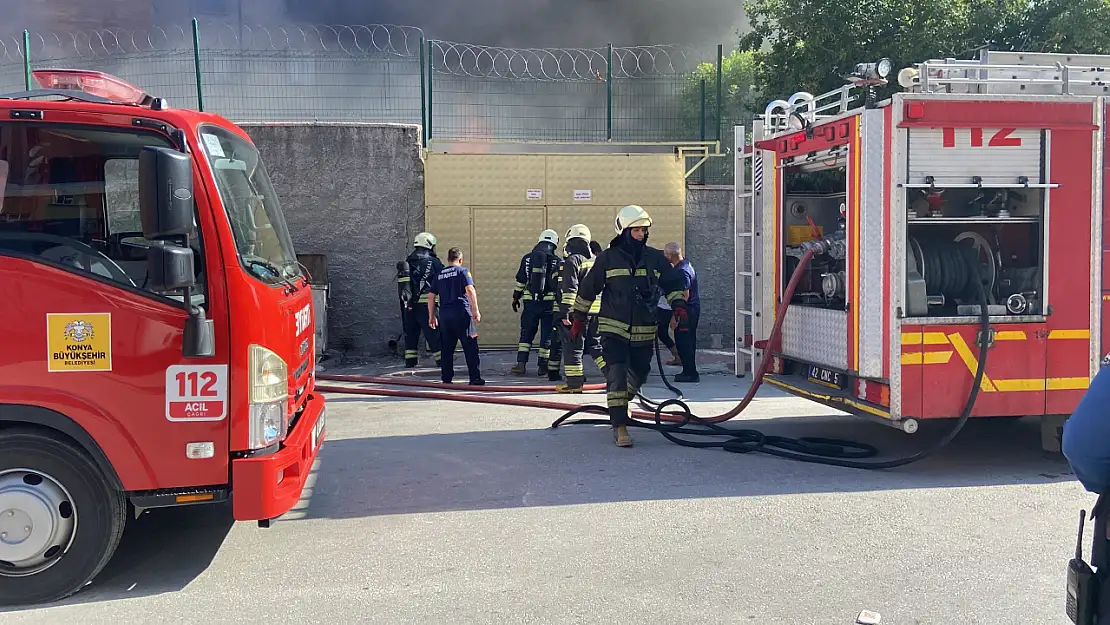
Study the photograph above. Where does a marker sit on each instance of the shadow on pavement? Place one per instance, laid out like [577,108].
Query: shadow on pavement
[483,470]
[162,551]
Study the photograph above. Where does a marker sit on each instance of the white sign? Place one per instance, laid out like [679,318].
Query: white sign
[212,142]
[582,195]
[196,392]
[535,194]
[304,318]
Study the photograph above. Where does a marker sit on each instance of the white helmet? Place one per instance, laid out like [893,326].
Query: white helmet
[632,216]
[549,236]
[426,240]
[578,231]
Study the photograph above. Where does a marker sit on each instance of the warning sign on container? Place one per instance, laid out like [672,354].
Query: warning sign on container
[79,342]
[582,195]
[196,392]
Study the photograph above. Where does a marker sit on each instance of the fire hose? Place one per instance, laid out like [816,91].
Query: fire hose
[672,425]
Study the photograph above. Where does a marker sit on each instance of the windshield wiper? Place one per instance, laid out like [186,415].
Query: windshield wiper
[272,268]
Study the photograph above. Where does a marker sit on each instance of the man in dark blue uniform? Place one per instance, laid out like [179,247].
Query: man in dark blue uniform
[686,339]
[458,314]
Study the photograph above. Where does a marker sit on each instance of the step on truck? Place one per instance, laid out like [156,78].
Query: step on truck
[998,163]
[161,347]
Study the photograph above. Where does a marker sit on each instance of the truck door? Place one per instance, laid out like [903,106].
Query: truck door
[95,343]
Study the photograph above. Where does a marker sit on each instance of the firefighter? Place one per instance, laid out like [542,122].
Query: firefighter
[579,258]
[415,275]
[534,286]
[629,276]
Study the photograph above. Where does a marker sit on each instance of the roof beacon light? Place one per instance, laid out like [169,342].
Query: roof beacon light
[872,73]
[93,83]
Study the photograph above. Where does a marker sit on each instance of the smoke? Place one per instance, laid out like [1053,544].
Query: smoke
[544,23]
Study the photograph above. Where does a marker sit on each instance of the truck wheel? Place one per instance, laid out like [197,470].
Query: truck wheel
[60,519]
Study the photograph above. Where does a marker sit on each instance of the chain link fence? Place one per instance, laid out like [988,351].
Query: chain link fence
[388,73]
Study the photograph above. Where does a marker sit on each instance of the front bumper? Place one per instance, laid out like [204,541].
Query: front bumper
[266,487]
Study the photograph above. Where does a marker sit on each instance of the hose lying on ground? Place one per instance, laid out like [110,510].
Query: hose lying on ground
[671,425]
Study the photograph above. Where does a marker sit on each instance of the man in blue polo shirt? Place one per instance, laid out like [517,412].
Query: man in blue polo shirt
[458,314]
[686,339]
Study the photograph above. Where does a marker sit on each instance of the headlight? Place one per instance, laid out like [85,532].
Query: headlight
[269,398]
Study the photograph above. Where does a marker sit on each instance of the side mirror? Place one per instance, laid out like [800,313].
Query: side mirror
[165,193]
[169,268]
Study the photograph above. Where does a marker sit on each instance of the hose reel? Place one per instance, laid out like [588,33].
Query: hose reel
[938,273]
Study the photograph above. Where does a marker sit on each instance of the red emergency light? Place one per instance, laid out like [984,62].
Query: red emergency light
[93,83]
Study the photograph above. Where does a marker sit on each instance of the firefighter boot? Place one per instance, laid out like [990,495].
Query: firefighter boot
[541,367]
[621,436]
[519,368]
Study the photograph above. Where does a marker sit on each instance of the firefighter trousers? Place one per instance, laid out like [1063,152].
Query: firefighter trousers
[627,366]
[573,351]
[536,318]
[554,357]
[415,322]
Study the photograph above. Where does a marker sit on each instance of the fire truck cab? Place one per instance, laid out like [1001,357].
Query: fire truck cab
[161,329]
[995,164]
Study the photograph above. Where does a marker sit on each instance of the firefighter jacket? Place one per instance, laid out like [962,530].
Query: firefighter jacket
[534,276]
[631,288]
[423,267]
[571,273]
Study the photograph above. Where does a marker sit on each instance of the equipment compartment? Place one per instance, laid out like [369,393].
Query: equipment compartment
[815,200]
[1001,228]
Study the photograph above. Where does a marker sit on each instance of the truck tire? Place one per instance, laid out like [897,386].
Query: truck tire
[60,519]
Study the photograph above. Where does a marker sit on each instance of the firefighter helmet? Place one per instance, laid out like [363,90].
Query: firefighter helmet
[425,240]
[632,216]
[579,231]
[549,236]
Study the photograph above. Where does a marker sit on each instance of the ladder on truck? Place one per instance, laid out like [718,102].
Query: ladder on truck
[747,197]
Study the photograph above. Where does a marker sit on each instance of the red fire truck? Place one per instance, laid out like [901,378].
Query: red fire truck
[161,351]
[1000,158]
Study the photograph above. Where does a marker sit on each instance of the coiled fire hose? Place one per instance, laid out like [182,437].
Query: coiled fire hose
[682,422]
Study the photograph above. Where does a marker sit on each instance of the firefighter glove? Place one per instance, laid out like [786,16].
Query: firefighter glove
[577,329]
[516,304]
[682,315]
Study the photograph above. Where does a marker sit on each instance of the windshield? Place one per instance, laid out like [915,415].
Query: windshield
[261,237]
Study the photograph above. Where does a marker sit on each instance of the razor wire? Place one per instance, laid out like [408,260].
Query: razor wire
[350,40]
[479,61]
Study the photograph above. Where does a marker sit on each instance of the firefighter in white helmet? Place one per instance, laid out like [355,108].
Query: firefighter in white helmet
[535,286]
[415,275]
[629,277]
[574,268]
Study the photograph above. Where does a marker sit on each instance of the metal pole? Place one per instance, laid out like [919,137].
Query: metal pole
[196,64]
[701,135]
[609,93]
[423,98]
[431,65]
[27,60]
[720,63]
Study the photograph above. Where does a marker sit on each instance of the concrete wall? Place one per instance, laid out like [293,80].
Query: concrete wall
[709,246]
[354,192]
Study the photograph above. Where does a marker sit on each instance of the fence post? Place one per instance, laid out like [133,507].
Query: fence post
[431,64]
[701,170]
[609,93]
[27,60]
[196,64]
[423,99]
[720,63]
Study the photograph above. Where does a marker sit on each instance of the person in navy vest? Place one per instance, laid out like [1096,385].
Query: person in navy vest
[458,316]
[686,339]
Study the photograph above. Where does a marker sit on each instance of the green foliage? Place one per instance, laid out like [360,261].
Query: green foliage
[811,45]
[740,97]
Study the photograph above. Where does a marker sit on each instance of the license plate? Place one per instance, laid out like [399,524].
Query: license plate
[317,432]
[826,377]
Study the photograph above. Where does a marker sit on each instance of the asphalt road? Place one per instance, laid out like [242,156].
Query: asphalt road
[436,512]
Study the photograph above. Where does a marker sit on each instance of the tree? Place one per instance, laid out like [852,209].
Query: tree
[740,96]
[811,45]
